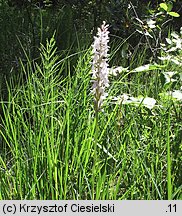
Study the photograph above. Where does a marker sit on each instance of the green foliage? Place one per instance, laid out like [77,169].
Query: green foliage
[168,7]
[48,144]
[51,145]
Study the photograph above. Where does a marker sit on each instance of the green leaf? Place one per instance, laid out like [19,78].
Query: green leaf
[164,6]
[148,67]
[169,7]
[174,14]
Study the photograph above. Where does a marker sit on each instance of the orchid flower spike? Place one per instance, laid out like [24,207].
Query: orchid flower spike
[100,70]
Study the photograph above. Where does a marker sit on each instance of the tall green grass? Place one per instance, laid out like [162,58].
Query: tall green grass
[50,149]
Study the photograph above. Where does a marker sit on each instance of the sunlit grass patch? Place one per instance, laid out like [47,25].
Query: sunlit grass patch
[51,140]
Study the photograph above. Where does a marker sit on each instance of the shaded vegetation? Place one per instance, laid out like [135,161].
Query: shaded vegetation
[52,146]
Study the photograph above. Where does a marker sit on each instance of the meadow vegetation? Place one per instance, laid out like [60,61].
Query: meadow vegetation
[55,143]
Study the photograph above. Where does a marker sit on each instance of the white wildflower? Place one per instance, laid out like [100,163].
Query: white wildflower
[127,99]
[117,70]
[151,23]
[148,102]
[100,70]
[169,76]
[177,94]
